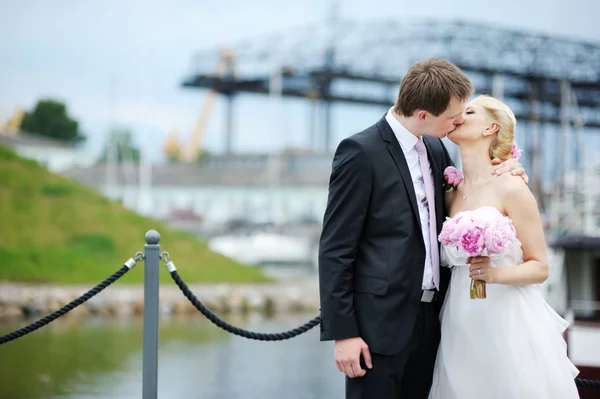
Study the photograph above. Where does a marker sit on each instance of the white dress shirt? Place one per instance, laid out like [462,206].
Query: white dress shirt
[407,142]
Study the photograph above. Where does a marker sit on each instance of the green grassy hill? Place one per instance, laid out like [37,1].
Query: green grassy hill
[54,230]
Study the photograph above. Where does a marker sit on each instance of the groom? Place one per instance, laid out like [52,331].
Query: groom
[381,287]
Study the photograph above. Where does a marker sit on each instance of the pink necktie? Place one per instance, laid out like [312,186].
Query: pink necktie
[433,245]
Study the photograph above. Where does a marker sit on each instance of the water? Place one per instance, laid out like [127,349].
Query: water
[102,358]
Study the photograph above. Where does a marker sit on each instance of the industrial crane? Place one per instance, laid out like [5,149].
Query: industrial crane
[12,125]
[189,152]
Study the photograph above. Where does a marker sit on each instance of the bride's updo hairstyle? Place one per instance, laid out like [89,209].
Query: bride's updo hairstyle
[501,114]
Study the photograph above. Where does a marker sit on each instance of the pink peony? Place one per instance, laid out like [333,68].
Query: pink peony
[496,240]
[448,230]
[516,151]
[453,176]
[472,240]
[485,215]
[498,235]
[462,222]
[453,228]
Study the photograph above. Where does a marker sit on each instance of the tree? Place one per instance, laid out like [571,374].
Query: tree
[121,142]
[50,118]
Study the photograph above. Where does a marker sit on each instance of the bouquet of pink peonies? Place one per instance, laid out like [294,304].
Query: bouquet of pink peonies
[481,232]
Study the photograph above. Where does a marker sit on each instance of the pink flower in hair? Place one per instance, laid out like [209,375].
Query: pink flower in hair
[516,151]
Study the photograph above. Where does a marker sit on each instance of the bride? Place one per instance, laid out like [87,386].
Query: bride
[508,344]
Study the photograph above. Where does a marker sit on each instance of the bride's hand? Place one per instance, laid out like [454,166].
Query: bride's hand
[481,269]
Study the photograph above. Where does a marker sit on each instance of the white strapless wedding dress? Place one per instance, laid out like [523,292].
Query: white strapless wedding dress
[506,346]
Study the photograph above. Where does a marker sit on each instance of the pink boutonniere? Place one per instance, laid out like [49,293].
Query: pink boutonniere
[452,178]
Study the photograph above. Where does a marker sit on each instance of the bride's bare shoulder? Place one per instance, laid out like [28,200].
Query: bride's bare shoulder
[510,187]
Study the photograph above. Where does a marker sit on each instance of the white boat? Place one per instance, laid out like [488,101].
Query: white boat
[263,248]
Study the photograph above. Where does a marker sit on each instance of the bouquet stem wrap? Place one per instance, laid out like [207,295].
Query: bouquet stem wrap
[478,289]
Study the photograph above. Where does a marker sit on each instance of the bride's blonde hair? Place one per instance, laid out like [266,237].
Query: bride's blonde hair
[501,114]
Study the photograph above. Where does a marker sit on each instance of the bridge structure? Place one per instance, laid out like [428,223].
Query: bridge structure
[363,63]
[551,83]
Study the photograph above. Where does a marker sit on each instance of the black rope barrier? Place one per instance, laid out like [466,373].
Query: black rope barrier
[587,383]
[73,304]
[232,329]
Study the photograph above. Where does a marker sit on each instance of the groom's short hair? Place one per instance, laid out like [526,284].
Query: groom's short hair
[430,85]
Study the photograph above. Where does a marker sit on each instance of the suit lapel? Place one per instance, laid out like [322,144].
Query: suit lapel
[395,151]
[436,171]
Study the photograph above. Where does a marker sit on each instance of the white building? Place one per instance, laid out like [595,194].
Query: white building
[261,188]
[53,154]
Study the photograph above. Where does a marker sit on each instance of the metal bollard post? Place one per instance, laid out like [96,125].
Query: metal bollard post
[150,355]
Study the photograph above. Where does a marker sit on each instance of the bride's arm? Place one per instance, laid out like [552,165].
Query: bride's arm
[521,207]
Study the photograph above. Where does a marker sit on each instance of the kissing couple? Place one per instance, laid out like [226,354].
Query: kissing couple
[428,276]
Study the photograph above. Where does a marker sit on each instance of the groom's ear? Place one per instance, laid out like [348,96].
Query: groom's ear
[421,114]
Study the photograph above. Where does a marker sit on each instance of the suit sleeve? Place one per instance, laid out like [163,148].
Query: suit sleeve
[347,203]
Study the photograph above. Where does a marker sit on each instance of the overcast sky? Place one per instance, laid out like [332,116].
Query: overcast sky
[72,50]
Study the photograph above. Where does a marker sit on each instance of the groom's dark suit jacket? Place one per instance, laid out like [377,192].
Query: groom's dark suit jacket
[371,252]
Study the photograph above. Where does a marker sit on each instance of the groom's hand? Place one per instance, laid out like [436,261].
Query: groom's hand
[510,165]
[347,356]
